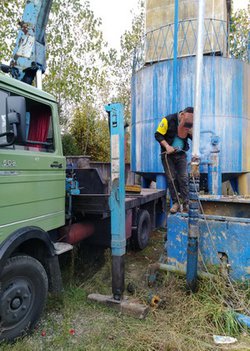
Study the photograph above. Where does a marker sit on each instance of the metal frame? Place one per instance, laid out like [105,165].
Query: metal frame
[159,44]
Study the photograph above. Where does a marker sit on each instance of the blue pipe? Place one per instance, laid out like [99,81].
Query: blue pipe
[214,175]
[175,63]
[117,198]
[248,48]
[192,264]
[161,181]
[161,217]
[210,177]
[145,182]
[214,168]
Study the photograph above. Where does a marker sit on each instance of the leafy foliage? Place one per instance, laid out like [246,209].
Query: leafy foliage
[82,73]
[90,133]
[70,147]
[121,65]
[239,33]
[89,125]
[75,67]
[74,46]
[75,42]
[10,13]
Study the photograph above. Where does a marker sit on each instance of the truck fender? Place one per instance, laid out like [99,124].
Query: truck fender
[19,236]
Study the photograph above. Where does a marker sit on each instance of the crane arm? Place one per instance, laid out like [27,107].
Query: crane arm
[29,54]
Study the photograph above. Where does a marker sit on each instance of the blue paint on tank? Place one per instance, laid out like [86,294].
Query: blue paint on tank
[228,235]
[224,96]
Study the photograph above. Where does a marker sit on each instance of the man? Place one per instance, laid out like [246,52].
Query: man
[172,134]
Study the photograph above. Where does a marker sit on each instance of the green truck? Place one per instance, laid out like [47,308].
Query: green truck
[34,206]
[32,203]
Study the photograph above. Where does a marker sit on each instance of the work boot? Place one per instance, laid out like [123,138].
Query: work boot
[175,208]
[185,207]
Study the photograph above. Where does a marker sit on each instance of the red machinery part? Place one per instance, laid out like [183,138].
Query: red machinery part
[76,232]
[128,223]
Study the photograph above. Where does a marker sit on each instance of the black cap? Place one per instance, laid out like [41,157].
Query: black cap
[188,109]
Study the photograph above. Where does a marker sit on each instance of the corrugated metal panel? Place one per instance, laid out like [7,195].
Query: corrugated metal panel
[225,110]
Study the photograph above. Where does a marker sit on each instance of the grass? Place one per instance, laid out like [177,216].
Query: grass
[182,322]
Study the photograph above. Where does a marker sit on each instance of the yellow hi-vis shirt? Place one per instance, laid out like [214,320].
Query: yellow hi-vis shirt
[163,126]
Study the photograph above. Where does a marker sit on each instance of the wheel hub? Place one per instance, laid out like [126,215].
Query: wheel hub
[15,302]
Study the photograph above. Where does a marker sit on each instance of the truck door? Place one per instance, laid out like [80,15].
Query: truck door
[32,167]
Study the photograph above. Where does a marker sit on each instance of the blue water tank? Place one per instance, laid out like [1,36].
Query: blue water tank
[163,83]
[225,110]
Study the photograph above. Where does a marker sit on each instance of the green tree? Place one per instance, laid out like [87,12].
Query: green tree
[239,33]
[10,14]
[75,43]
[91,134]
[82,72]
[74,46]
[69,144]
[76,69]
[122,65]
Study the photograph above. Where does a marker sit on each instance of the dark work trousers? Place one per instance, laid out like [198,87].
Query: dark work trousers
[176,171]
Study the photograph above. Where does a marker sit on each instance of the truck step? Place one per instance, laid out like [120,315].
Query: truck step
[61,247]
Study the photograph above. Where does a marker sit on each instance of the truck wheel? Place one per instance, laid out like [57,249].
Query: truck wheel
[141,234]
[23,293]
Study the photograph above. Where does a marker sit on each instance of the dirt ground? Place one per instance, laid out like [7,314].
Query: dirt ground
[177,321]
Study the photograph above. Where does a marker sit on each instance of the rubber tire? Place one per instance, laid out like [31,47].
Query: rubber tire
[29,276]
[140,236]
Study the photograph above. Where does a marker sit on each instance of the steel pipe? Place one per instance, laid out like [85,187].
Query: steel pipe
[194,184]
[175,62]
[198,81]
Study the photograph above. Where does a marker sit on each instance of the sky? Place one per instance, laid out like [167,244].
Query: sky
[116,16]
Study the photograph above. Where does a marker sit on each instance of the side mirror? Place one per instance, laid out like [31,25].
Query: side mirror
[13,120]
[16,118]
[3,135]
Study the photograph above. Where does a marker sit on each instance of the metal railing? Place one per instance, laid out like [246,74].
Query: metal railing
[158,45]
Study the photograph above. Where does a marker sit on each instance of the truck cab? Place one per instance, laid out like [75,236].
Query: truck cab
[32,203]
